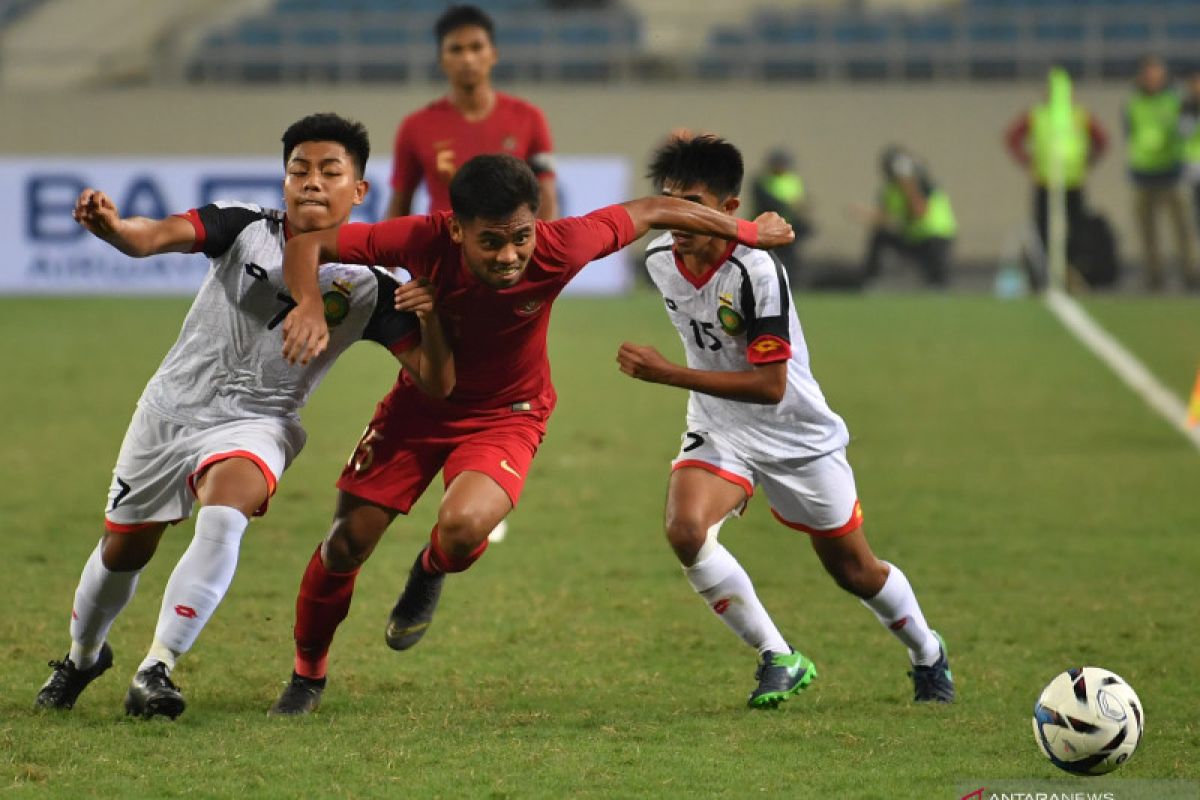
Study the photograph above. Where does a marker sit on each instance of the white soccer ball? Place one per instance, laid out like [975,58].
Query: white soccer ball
[1088,721]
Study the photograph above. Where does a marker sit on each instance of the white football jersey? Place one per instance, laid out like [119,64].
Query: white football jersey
[737,315]
[228,361]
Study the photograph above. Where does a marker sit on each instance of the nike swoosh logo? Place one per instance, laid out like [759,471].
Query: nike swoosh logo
[505,466]
[395,630]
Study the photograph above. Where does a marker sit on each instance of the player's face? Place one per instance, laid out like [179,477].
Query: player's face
[497,251]
[321,186]
[467,56]
[688,243]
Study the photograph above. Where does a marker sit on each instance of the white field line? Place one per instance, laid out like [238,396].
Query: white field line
[1127,367]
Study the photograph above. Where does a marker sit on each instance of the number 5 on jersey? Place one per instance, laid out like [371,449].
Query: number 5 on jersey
[705,338]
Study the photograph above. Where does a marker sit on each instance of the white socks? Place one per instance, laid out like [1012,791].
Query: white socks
[897,610]
[720,580]
[198,584]
[99,598]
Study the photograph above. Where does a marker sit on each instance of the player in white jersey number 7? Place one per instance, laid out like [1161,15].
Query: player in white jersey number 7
[756,417]
[218,423]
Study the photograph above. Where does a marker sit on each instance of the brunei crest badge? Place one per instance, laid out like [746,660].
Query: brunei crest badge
[730,320]
[337,303]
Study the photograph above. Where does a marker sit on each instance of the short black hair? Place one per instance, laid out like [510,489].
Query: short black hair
[707,160]
[328,127]
[493,187]
[456,17]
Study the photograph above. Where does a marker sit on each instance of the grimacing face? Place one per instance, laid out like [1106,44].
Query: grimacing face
[467,56]
[689,243]
[497,251]
[321,186]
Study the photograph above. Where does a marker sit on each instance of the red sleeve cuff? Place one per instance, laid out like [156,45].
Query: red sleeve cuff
[767,350]
[405,344]
[193,216]
[626,232]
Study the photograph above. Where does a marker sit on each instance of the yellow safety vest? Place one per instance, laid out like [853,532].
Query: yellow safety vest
[1075,148]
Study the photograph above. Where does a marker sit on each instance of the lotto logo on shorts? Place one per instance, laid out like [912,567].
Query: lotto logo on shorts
[187,612]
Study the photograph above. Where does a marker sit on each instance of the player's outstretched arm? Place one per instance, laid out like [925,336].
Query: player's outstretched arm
[670,213]
[134,236]
[547,198]
[765,383]
[431,364]
[305,334]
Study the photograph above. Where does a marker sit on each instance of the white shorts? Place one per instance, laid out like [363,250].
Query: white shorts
[814,494]
[154,479]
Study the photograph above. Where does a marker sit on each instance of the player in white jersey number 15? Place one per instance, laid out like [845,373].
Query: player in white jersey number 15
[756,417]
[218,422]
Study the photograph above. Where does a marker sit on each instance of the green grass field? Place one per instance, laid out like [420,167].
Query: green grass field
[1045,516]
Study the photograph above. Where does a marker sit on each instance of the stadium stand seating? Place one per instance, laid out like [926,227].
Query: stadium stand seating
[390,40]
[12,10]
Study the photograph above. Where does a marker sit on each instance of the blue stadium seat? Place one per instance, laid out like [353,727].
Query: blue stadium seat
[929,30]
[259,33]
[378,36]
[520,35]
[324,36]
[1184,30]
[1125,31]
[785,29]
[1058,30]
[727,36]
[993,32]
[860,31]
[586,34]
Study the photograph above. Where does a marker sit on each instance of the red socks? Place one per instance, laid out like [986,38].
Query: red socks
[435,560]
[321,605]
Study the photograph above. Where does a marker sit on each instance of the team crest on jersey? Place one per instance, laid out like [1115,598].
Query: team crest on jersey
[510,143]
[730,320]
[529,307]
[337,303]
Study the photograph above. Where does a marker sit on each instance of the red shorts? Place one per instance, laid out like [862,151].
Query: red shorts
[404,448]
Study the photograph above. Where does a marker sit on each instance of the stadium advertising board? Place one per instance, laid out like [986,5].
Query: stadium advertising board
[46,252]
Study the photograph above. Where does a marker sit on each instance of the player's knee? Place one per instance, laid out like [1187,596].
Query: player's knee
[858,577]
[686,534]
[126,552]
[461,530]
[350,543]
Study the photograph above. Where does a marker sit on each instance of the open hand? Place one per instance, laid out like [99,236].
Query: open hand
[416,296]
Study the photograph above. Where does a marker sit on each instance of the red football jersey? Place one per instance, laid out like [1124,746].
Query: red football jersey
[434,142]
[498,335]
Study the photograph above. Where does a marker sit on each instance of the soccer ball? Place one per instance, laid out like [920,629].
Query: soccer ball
[1088,721]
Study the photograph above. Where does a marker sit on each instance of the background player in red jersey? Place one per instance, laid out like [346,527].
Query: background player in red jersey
[496,271]
[471,120]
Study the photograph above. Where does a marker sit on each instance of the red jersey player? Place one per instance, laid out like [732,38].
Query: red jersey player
[496,272]
[471,120]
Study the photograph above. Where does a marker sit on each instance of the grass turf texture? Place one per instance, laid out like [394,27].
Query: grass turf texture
[1045,517]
